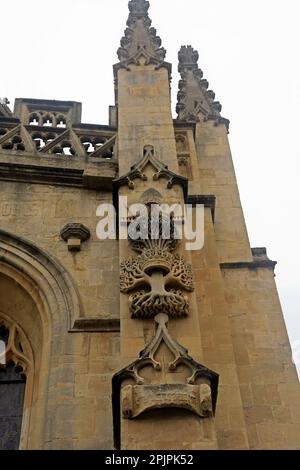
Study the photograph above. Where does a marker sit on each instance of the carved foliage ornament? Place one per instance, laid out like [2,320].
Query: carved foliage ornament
[140,40]
[138,8]
[204,102]
[155,278]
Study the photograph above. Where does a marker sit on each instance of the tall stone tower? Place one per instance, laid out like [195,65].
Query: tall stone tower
[135,343]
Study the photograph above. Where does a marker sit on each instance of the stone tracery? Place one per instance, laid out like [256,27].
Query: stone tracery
[17,348]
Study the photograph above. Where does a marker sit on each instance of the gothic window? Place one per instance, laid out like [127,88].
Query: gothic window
[38,140]
[15,143]
[98,142]
[42,139]
[87,144]
[61,121]
[12,389]
[48,120]
[34,119]
[67,149]
[91,145]
[64,148]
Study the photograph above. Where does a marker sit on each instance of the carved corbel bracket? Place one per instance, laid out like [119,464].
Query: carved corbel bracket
[137,399]
[74,234]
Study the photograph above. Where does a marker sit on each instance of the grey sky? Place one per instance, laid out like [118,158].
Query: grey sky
[249,52]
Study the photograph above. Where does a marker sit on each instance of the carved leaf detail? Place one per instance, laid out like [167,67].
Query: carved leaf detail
[156,297]
[131,274]
[181,272]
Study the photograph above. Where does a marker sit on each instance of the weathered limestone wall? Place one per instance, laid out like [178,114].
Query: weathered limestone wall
[144,116]
[79,410]
[217,177]
[248,345]
[39,212]
[218,347]
[268,380]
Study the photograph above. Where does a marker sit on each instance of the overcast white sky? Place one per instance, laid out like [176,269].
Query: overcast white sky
[249,52]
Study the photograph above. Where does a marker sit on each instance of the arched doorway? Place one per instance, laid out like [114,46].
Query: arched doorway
[38,301]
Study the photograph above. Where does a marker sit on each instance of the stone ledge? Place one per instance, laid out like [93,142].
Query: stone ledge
[208,200]
[260,260]
[39,174]
[249,265]
[90,178]
[96,325]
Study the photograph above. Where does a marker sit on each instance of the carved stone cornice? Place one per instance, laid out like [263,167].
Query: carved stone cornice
[36,170]
[260,261]
[140,43]
[96,325]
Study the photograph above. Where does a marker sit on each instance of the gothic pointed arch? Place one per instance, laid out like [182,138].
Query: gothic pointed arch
[38,302]
[56,289]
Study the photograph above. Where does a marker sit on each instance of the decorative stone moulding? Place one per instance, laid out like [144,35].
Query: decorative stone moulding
[137,171]
[74,234]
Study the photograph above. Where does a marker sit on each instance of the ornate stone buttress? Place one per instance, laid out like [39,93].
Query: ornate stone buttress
[157,281]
